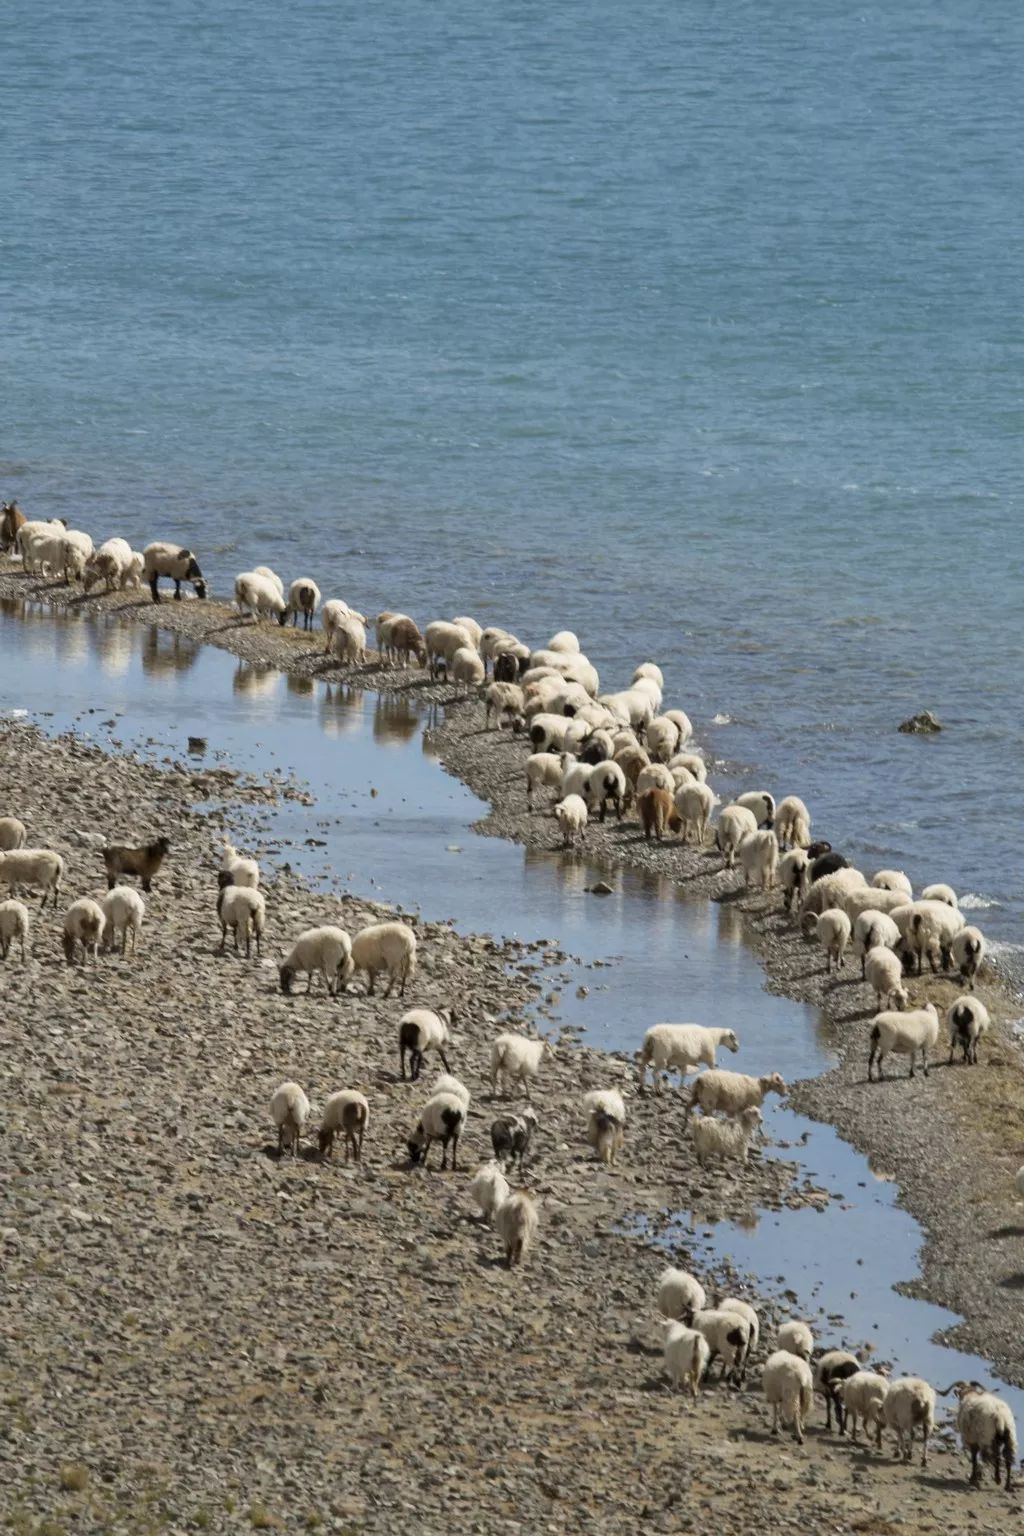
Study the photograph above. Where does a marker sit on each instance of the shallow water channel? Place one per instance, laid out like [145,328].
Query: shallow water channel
[411,843]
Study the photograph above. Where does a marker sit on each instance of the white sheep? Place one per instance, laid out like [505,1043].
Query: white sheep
[649,669]
[289,1110]
[441,641]
[349,641]
[943,893]
[883,971]
[575,775]
[12,834]
[872,928]
[831,1368]
[332,615]
[633,707]
[571,814]
[987,1430]
[270,575]
[694,803]
[831,891]
[968,1020]
[727,1334]
[124,910]
[240,907]
[904,1034]
[76,548]
[910,1405]
[516,1058]
[759,855]
[760,804]
[446,1083]
[796,1339]
[304,599]
[968,953]
[729,1093]
[692,762]
[679,1294]
[38,868]
[421,1030]
[162,559]
[655,776]
[893,880]
[929,927]
[863,1396]
[389,947]
[490,1189]
[467,668]
[681,720]
[725,1138]
[735,822]
[327,950]
[502,699]
[472,628]
[257,595]
[746,1311]
[84,924]
[686,1357]
[869,898]
[236,870]
[682,1048]
[607,782]
[832,929]
[347,1112]
[606,1119]
[794,873]
[543,769]
[133,572]
[564,641]
[793,823]
[662,738]
[14,925]
[442,1119]
[109,564]
[789,1391]
[516,1222]
[548,732]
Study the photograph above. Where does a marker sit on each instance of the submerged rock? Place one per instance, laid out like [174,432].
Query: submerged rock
[922,724]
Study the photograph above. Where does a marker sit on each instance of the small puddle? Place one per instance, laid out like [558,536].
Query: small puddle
[389,823]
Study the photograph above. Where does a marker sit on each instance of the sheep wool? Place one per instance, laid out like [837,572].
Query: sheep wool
[686,1357]
[289,1110]
[385,947]
[517,1221]
[346,1113]
[14,926]
[682,1048]
[489,1189]
[789,1391]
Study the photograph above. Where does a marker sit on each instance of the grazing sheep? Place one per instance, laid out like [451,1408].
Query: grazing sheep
[893,880]
[831,1368]
[606,1119]
[968,953]
[662,737]
[14,925]
[32,540]
[657,813]
[694,804]
[133,574]
[304,599]
[910,1404]
[332,615]
[84,923]
[124,910]
[607,782]
[727,1334]
[240,907]
[649,669]
[793,823]
[597,748]
[38,868]
[327,950]
[108,564]
[735,823]
[564,641]
[831,891]
[511,1136]
[987,1430]
[258,596]
[467,668]
[968,1020]
[828,863]
[929,927]
[943,893]
[863,1397]
[349,641]
[174,562]
[144,862]
[516,1222]
[789,1391]
[686,1357]
[12,834]
[542,769]
[726,1138]
[490,1190]
[868,898]
[679,1294]
[236,870]
[793,876]
[472,628]
[796,1339]
[502,699]
[692,763]
[548,732]
[441,641]
[760,804]
[389,947]
[746,1311]
[446,1083]
[516,1058]
[731,1092]
[571,814]
[832,929]
[442,1119]
[348,1112]
[76,549]
[400,641]
[12,520]
[655,776]
[289,1110]
[904,1034]
[632,707]
[872,928]
[759,855]
[421,1030]
[682,1048]
[575,776]
[883,971]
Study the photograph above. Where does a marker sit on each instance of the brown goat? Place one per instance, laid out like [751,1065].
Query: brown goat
[144,862]
[657,811]
[405,640]
[11,519]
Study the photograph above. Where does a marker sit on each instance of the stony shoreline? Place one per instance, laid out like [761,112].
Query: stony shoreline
[520,1371]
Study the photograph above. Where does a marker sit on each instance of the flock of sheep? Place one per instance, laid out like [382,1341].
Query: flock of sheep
[593,750]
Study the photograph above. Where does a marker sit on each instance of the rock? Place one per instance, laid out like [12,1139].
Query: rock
[602,888]
[922,724]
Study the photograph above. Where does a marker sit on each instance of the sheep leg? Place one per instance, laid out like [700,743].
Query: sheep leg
[223,939]
[924,1059]
[1008,1461]
[444,1059]
[391,983]
[775,1418]
[177,590]
[373,977]
[259,945]
[405,977]
[924,1447]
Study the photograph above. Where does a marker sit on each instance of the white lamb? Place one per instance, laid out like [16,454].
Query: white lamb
[124,910]
[516,1059]
[943,893]
[968,1020]
[679,1294]
[238,870]
[735,822]
[793,823]
[347,1112]
[759,855]
[729,1093]
[516,1223]
[883,971]
[37,868]
[327,950]
[543,770]
[968,953]
[796,1339]
[903,1034]
[727,1334]
[289,1110]
[571,814]
[929,927]
[389,947]
[606,1119]
[257,596]
[84,923]
[240,907]
[14,926]
[870,929]
[893,880]
[686,1357]
[863,1396]
[832,929]
[910,1405]
[682,1048]
[490,1189]
[725,1138]
[694,803]
[12,834]
[421,1030]
[987,1430]
[789,1391]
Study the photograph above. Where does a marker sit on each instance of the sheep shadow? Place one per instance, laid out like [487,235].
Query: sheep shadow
[1012,1282]
[1010,1230]
[491,1261]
